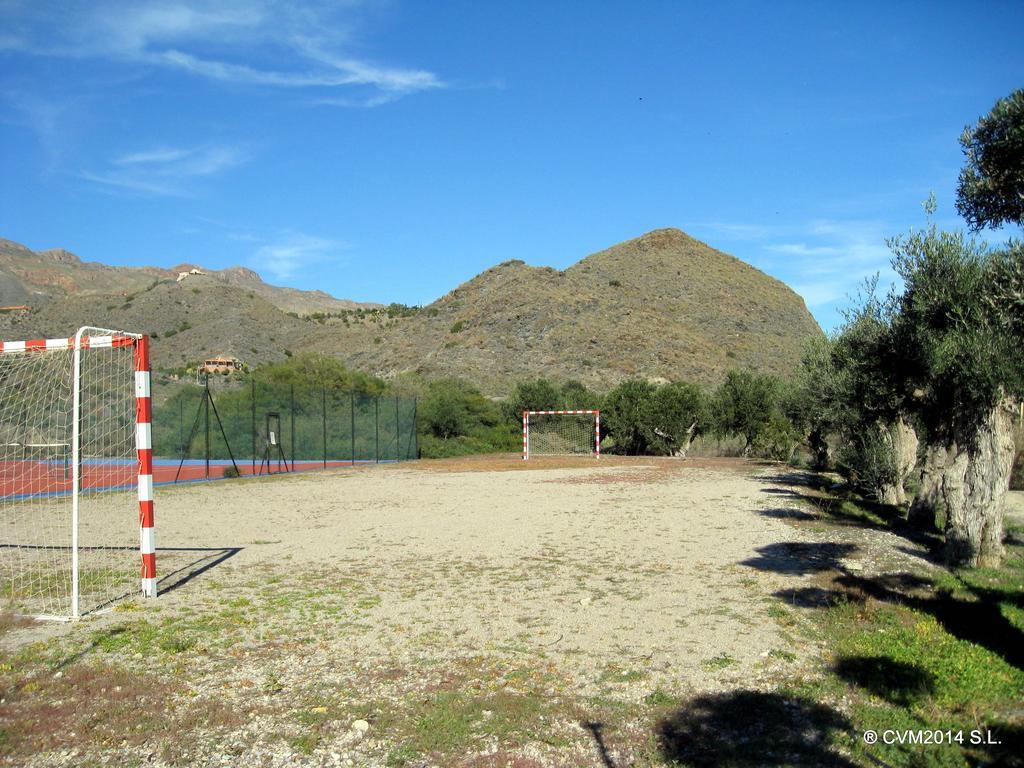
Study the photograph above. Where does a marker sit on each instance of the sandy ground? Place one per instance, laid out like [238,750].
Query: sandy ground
[608,564]
[618,578]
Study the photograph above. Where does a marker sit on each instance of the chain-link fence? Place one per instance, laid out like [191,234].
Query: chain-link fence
[200,432]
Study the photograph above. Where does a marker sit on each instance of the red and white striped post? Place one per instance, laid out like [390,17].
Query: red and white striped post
[526,435]
[144,448]
[597,434]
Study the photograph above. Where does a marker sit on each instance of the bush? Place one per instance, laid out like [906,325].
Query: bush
[231,472]
[445,410]
[454,419]
[868,462]
[778,440]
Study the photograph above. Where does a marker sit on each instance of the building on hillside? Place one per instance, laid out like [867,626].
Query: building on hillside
[224,365]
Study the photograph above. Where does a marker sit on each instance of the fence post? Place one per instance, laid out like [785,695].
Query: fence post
[252,390]
[352,415]
[415,431]
[293,427]
[323,413]
[398,434]
[206,416]
[376,429]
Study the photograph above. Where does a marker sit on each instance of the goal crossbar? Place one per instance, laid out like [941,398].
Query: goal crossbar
[21,474]
[562,433]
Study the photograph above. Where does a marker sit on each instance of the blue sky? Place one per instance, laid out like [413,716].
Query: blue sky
[389,151]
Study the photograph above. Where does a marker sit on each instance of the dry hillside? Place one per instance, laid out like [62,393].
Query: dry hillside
[661,306]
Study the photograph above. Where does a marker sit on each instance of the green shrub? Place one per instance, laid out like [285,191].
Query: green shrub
[867,461]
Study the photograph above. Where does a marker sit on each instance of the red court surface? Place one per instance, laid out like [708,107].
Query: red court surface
[21,478]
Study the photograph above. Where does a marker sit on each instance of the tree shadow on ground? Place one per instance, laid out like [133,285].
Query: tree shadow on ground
[798,557]
[828,500]
[976,616]
[897,682]
[974,613]
[787,513]
[752,728]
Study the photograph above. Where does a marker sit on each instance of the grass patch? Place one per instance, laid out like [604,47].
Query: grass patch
[941,653]
[615,674]
[721,661]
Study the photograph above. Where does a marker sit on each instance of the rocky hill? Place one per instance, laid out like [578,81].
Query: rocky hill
[39,277]
[661,306]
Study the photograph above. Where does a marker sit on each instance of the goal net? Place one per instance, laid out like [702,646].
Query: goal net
[75,473]
[561,433]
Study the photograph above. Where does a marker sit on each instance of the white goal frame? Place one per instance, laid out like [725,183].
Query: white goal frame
[86,338]
[596,450]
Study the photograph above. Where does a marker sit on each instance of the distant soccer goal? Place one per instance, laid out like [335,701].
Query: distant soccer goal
[76,477]
[561,433]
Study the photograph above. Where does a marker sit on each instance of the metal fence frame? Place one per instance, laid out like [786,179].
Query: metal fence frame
[319,425]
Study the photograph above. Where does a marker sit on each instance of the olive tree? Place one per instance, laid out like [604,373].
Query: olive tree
[868,409]
[991,188]
[673,415]
[955,359]
[745,404]
[625,415]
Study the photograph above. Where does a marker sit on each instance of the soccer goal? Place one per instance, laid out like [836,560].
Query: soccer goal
[561,433]
[76,476]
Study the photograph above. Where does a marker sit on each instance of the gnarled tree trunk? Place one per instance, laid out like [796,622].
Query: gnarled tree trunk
[975,479]
[686,441]
[928,501]
[901,439]
[821,452]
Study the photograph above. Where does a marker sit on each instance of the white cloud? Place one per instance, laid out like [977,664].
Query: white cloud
[166,170]
[825,260]
[270,43]
[292,254]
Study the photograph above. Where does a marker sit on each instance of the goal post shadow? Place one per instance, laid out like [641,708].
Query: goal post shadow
[183,565]
[178,575]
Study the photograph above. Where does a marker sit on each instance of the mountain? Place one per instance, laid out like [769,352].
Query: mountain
[40,277]
[661,306]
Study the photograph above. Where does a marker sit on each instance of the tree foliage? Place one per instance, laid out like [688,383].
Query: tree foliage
[991,188]
[746,404]
[956,335]
[536,395]
[625,415]
[449,408]
[313,369]
[546,395]
[673,416]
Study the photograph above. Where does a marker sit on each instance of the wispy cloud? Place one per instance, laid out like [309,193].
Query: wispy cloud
[291,254]
[271,43]
[825,260]
[834,258]
[166,170]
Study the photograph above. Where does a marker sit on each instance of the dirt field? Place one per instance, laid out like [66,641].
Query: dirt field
[477,612]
